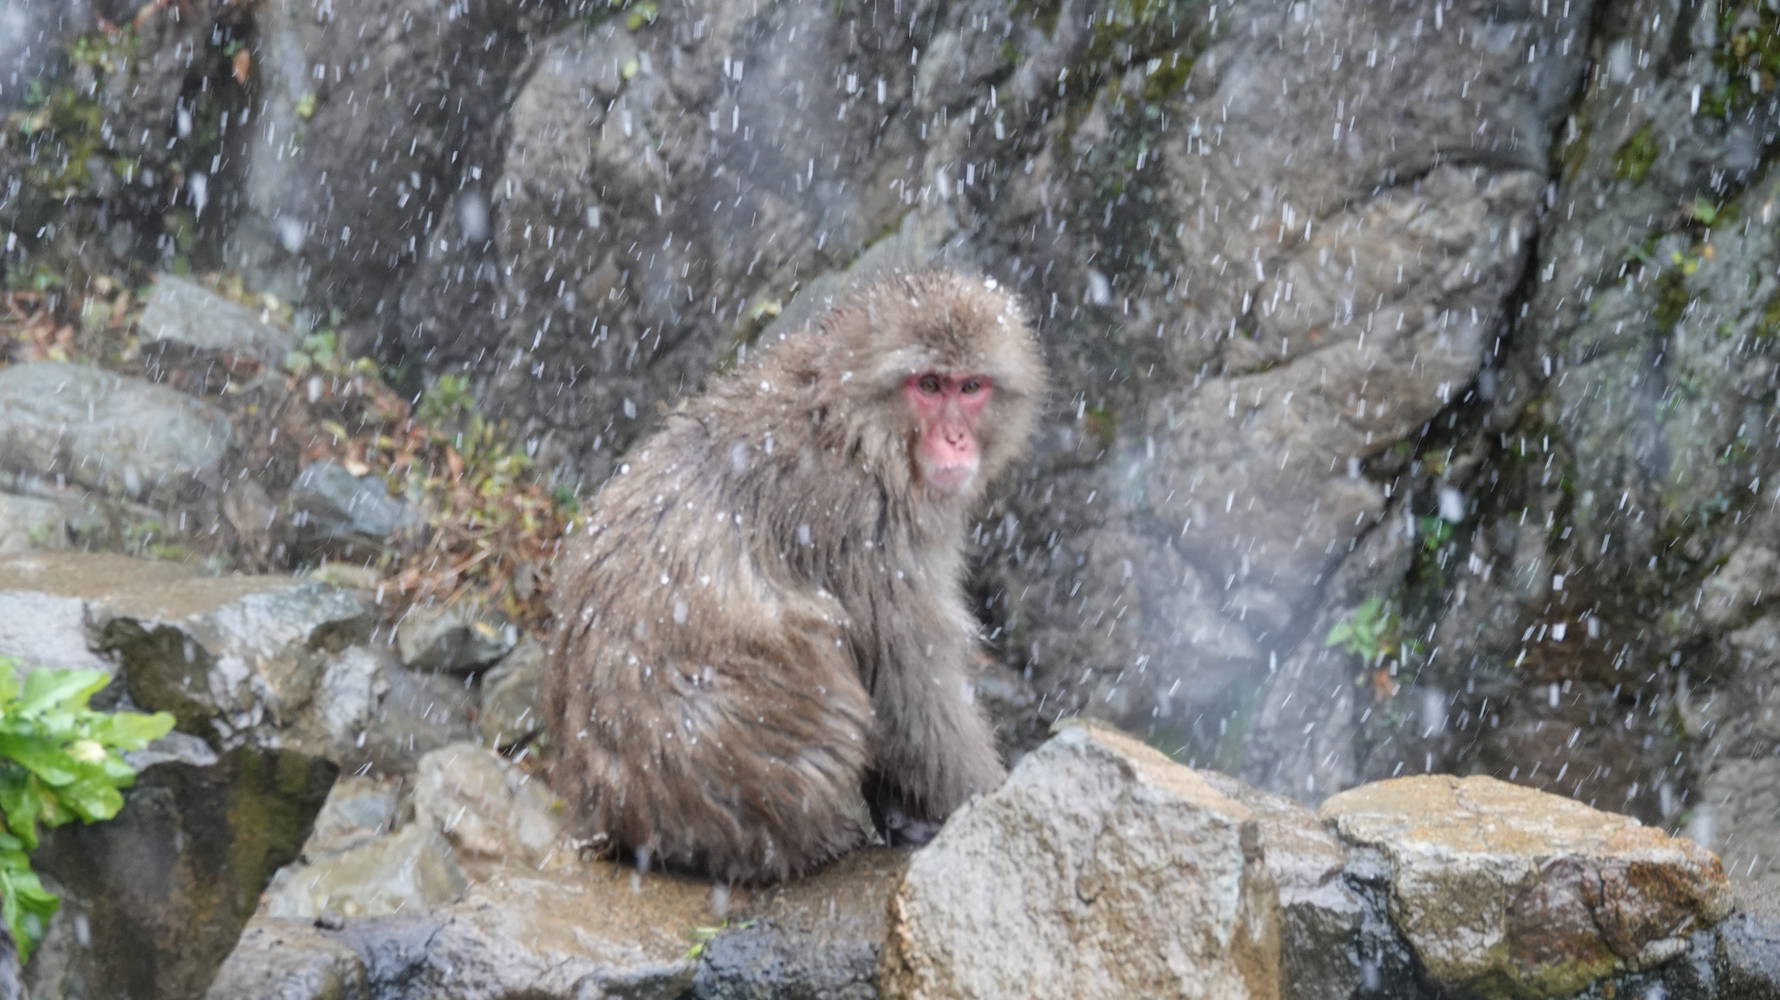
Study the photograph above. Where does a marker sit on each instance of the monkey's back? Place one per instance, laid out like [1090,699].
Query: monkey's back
[705,707]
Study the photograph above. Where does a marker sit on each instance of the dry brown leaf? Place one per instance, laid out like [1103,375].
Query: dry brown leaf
[1384,686]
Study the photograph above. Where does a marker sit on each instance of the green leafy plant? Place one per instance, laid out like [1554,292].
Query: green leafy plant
[320,353]
[150,539]
[319,350]
[1369,631]
[1434,531]
[702,936]
[59,761]
[447,400]
[641,15]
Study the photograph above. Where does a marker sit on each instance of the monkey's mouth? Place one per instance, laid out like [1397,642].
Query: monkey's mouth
[951,478]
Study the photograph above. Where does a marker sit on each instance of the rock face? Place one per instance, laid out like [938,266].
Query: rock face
[223,654]
[42,626]
[337,515]
[412,871]
[1100,868]
[1450,328]
[476,897]
[189,316]
[129,463]
[282,677]
[1341,308]
[1508,892]
[291,960]
[1103,869]
[453,640]
[815,939]
[510,696]
[109,433]
[485,808]
[243,660]
[27,524]
[12,986]
[154,898]
[1321,915]
[411,123]
[1463,314]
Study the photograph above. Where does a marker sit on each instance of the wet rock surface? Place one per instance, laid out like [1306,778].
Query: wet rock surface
[411,871]
[334,514]
[486,808]
[1081,872]
[1318,904]
[241,660]
[466,891]
[109,433]
[45,627]
[28,524]
[291,960]
[816,938]
[1506,891]
[453,640]
[523,931]
[460,874]
[153,900]
[233,658]
[1101,867]
[185,315]
[510,711]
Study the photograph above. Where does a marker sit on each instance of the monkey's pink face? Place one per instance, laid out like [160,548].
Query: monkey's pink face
[946,409]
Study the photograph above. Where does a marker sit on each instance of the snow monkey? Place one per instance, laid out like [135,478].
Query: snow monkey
[765,615]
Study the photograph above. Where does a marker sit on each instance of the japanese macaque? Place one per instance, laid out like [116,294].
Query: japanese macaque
[765,615]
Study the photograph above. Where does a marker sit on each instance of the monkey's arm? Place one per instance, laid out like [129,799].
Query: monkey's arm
[933,747]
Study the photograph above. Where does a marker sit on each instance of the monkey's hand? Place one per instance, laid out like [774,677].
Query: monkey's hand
[902,827]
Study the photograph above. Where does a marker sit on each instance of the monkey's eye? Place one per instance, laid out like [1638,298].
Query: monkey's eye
[929,384]
[971,385]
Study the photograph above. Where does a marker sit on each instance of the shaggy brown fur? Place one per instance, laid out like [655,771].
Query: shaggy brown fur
[765,609]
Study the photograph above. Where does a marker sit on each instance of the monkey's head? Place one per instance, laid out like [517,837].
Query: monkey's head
[948,365]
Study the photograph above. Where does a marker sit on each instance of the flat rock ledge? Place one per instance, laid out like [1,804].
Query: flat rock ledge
[1100,868]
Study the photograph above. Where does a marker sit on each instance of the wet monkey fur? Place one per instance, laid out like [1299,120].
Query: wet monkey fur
[764,613]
